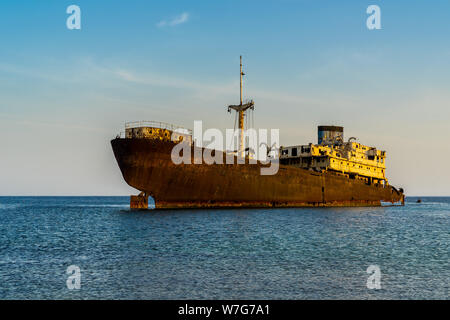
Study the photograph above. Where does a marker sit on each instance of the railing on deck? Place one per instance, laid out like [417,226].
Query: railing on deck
[157,124]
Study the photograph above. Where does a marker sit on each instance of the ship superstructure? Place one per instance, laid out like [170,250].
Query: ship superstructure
[351,159]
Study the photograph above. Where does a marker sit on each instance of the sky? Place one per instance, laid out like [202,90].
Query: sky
[64,94]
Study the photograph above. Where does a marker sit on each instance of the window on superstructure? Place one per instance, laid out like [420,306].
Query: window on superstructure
[294,152]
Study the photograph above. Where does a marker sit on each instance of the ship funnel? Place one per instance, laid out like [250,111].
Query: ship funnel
[330,135]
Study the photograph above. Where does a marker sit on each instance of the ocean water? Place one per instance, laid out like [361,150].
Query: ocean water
[317,253]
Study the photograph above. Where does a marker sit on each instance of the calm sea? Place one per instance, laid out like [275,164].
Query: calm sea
[221,254]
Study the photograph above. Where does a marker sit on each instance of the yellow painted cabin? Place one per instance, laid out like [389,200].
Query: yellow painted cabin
[349,158]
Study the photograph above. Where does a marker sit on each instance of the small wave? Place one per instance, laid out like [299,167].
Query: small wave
[432,203]
[8,206]
[97,205]
[8,260]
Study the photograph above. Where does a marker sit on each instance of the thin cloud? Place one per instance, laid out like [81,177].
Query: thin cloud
[180,19]
[225,88]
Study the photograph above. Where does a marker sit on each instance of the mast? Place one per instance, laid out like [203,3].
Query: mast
[241,108]
[241,115]
[241,75]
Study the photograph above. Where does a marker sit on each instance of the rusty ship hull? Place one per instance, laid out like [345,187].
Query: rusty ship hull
[147,166]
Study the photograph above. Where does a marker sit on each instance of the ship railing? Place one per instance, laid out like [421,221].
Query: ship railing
[120,135]
[157,124]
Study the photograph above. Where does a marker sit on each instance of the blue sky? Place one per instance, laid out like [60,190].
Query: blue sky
[66,93]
